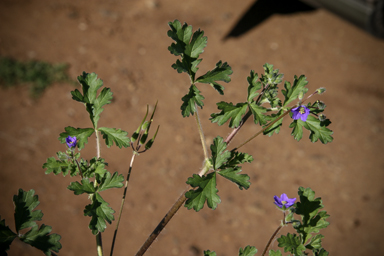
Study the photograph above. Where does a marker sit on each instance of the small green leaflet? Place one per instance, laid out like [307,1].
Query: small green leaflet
[25,213]
[313,220]
[229,111]
[90,84]
[188,49]
[57,166]
[40,239]
[25,217]
[248,251]
[85,186]
[110,181]
[100,213]
[80,133]
[318,129]
[274,253]
[105,97]
[291,93]
[258,113]
[209,253]
[271,76]
[6,236]
[253,86]
[219,153]
[226,163]
[206,191]
[93,103]
[221,72]
[118,136]
[291,243]
[315,242]
[232,174]
[191,101]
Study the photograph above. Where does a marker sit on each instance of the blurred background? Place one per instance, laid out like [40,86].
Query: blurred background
[125,43]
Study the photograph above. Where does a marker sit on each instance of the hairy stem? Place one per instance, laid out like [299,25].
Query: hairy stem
[273,236]
[271,239]
[122,201]
[201,133]
[172,211]
[99,244]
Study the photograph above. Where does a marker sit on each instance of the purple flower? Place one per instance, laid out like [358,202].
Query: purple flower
[283,202]
[71,141]
[300,112]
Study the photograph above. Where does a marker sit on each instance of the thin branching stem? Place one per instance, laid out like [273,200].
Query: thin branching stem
[99,244]
[273,236]
[201,133]
[123,200]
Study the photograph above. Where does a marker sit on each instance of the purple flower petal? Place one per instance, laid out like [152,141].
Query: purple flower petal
[71,141]
[300,112]
[283,202]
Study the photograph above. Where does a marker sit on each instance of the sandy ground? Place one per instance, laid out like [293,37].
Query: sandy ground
[125,43]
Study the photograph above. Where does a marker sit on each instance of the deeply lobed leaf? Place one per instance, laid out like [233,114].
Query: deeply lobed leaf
[206,191]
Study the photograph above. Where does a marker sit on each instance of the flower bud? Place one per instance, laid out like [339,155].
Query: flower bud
[322,117]
[321,90]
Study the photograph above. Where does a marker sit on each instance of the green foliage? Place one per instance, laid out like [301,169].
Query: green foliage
[206,191]
[291,243]
[312,219]
[93,103]
[221,72]
[226,163]
[38,74]
[229,111]
[274,253]
[26,217]
[292,93]
[191,101]
[247,251]
[58,166]
[209,253]
[118,136]
[100,213]
[220,154]
[42,240]
[6,236]
[318,129]
[189,46]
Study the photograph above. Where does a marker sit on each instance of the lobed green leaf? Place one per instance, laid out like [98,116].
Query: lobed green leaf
[292,93]
[221,72]
[100,213]
[110,181]
[191,100]
[219,153]
[248,251]
[6,236]
[291,243]
[25,216]
[118,136]
[232,174]
[206,191]
[229,111]
[42,240]
[85,186]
